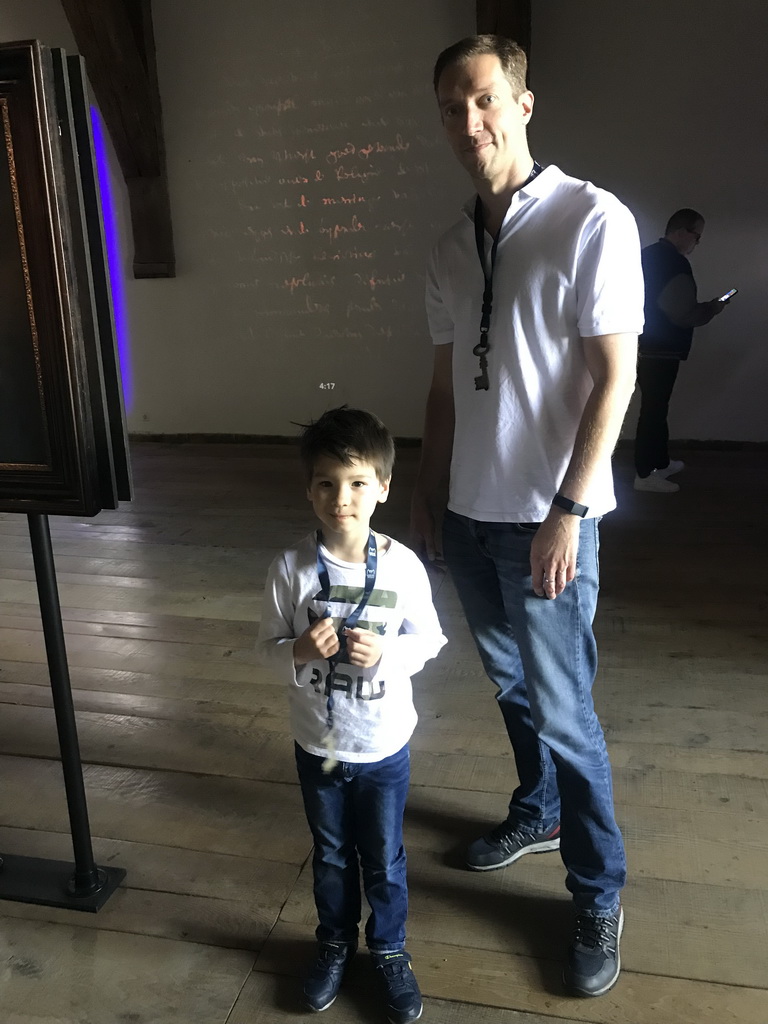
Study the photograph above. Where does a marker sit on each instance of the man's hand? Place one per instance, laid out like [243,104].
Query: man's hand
[425,535]
[318,641]
[553,553]
[431,492]
[364,648]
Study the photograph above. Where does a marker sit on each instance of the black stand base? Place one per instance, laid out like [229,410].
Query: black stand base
[51,883]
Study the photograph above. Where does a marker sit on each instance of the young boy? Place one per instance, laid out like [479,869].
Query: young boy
[347,620]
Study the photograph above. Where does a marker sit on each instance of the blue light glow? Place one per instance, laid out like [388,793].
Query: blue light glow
[114,261]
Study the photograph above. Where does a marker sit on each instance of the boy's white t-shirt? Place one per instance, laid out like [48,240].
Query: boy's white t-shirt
[373,712]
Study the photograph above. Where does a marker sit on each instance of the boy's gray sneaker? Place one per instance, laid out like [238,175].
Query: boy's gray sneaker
[323,980]
[594,960]
[401,990]
[507,843]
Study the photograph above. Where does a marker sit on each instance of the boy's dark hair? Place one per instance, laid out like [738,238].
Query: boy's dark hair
[348,435]
[686,218]
[512,57]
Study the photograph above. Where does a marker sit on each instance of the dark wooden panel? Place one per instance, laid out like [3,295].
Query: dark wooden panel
[510,18]
[117,42]
[56,443]
[105,38]
[57,475]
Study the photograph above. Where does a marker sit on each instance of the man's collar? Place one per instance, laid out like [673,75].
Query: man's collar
[543,184]
[538,188]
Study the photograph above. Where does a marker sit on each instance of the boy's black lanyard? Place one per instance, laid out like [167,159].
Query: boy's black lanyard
[351,621]
[482,348]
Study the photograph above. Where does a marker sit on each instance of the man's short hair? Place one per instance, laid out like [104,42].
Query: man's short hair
[348,435]
[512,58]
[686,219]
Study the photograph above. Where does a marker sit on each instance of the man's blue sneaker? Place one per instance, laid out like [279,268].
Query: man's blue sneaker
[507,843]
[323,980]
[594,961]
[399,985]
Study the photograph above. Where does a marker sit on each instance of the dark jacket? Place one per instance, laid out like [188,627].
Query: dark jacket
[661,338]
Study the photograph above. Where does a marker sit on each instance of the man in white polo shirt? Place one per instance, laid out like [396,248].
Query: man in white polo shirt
[535,301]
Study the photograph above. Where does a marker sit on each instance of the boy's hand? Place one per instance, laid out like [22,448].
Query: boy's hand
[364,648]
[318,641]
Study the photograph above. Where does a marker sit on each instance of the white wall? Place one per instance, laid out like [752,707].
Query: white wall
[306,191]
[35,19]
[255,321]
[664,103]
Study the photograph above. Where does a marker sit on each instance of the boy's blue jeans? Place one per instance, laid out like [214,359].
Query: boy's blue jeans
[542,656]
[355,813]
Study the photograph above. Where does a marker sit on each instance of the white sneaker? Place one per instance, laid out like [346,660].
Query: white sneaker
[675,466]
[655,482]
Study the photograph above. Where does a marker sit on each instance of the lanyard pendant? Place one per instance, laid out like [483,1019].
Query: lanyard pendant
[481,351]
[481,381]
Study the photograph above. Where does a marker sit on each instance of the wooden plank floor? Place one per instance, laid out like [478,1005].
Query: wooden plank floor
[191,785]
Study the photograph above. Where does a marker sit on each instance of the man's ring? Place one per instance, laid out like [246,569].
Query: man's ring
[548,580]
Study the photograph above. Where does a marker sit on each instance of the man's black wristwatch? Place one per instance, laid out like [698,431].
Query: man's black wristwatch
[570,506]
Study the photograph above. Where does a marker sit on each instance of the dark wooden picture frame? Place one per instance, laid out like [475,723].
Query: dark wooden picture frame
[63,442]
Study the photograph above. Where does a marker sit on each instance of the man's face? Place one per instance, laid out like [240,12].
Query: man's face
[694,236]
[484,122]
[685,240]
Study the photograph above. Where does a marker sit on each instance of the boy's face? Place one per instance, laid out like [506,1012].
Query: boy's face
[344,497]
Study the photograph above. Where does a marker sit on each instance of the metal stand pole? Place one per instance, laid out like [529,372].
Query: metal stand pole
[29,879]
[85,880]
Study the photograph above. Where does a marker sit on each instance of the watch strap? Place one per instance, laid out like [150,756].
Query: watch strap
[570,506]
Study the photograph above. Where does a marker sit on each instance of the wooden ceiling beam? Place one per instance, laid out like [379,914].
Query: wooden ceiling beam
[116,39]
[511,18]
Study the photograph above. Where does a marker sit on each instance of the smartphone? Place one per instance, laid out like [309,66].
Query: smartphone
[728,295]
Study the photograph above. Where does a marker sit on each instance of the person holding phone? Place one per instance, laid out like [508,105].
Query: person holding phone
[672,311]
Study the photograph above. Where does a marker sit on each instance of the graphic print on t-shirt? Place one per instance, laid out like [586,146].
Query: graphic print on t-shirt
[347,679]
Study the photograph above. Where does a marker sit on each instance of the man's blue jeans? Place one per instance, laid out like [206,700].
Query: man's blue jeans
[355,813]
[542,656]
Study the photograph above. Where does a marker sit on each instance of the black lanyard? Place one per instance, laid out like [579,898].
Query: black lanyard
[351,621]
[482,348]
